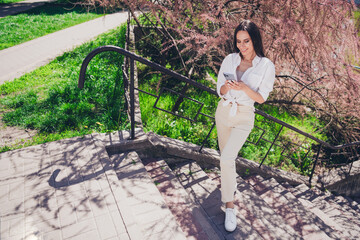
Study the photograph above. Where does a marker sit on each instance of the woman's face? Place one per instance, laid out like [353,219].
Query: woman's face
[245,45]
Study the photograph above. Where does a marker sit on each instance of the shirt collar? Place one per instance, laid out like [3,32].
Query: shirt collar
[255,61]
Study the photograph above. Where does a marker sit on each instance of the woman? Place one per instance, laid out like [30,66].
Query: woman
[255,75]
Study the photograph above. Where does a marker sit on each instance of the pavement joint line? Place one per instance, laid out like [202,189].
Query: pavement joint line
[95,142]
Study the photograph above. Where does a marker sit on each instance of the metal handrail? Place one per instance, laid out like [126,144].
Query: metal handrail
[134,57]
[304,133]
[139,59]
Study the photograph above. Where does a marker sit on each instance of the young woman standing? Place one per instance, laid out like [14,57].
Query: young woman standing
[254,76]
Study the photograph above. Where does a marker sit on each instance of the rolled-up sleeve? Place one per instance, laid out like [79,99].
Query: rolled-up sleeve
[221,78]
[267,84]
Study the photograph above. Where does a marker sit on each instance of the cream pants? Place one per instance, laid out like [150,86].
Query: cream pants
[232,134]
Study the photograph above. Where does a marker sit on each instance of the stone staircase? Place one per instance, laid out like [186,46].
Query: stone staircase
[105,186]
[168,197]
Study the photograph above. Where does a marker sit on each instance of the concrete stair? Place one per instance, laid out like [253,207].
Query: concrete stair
[206,192]
[179,200]
[80,188]
[333,214]
[164,197]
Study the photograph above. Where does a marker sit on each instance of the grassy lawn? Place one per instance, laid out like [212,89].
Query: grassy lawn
[37,22]
[49,101]
[9,1]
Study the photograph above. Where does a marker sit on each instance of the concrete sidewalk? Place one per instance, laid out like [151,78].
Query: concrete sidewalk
[69,189]
[60,190]
[25,57]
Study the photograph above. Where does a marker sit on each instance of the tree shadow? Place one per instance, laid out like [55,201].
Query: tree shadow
[52,186]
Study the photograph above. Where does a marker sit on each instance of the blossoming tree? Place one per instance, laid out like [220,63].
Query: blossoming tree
[313,43]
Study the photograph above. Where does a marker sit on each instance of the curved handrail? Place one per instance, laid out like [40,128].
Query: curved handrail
[124,52]
[180,77]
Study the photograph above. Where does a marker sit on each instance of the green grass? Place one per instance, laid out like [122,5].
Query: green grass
[37,22]
[357,19]
[296,145]
[49,100]
[166,124]
[9,1]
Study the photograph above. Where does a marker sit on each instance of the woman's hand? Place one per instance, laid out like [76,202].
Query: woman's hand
[240,85]
[233,85]
[225,88]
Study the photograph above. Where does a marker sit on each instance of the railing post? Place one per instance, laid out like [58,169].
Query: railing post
[203,143]
[132,99]
[355,155]
[272,144]
[313,170]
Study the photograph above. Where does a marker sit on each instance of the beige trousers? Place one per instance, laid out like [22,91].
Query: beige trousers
[232,134]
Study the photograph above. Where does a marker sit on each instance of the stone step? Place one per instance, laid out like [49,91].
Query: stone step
[244,204]
[141,201]
[318,197]
[330,198]
[190,216]
[314,209]
[265,209]
[282,206]
[262,217]
[273,224]
[311,225]
[336,219]
[341,200]
[205,192]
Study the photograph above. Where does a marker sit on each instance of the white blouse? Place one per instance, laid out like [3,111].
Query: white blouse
[260,78]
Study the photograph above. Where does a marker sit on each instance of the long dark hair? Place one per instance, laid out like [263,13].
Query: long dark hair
[255,36]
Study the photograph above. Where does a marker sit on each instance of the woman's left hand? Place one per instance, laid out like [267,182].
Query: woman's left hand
[240,85]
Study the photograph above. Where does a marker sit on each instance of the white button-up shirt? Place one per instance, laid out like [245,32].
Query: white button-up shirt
[260,78]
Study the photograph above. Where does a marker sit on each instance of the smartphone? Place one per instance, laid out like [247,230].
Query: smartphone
[230,77]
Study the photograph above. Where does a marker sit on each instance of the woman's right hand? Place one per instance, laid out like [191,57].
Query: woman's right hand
[225,88]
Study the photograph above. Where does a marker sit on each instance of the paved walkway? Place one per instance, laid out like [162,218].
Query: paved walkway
[69,189]
[60,190]
[28,56]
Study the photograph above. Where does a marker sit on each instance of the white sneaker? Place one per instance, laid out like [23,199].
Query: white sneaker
[230,219]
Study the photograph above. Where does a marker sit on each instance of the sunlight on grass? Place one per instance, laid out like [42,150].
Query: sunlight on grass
[37,22]
[9,1]
[49,101]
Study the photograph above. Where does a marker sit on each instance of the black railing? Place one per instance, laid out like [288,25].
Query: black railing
[129,86]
